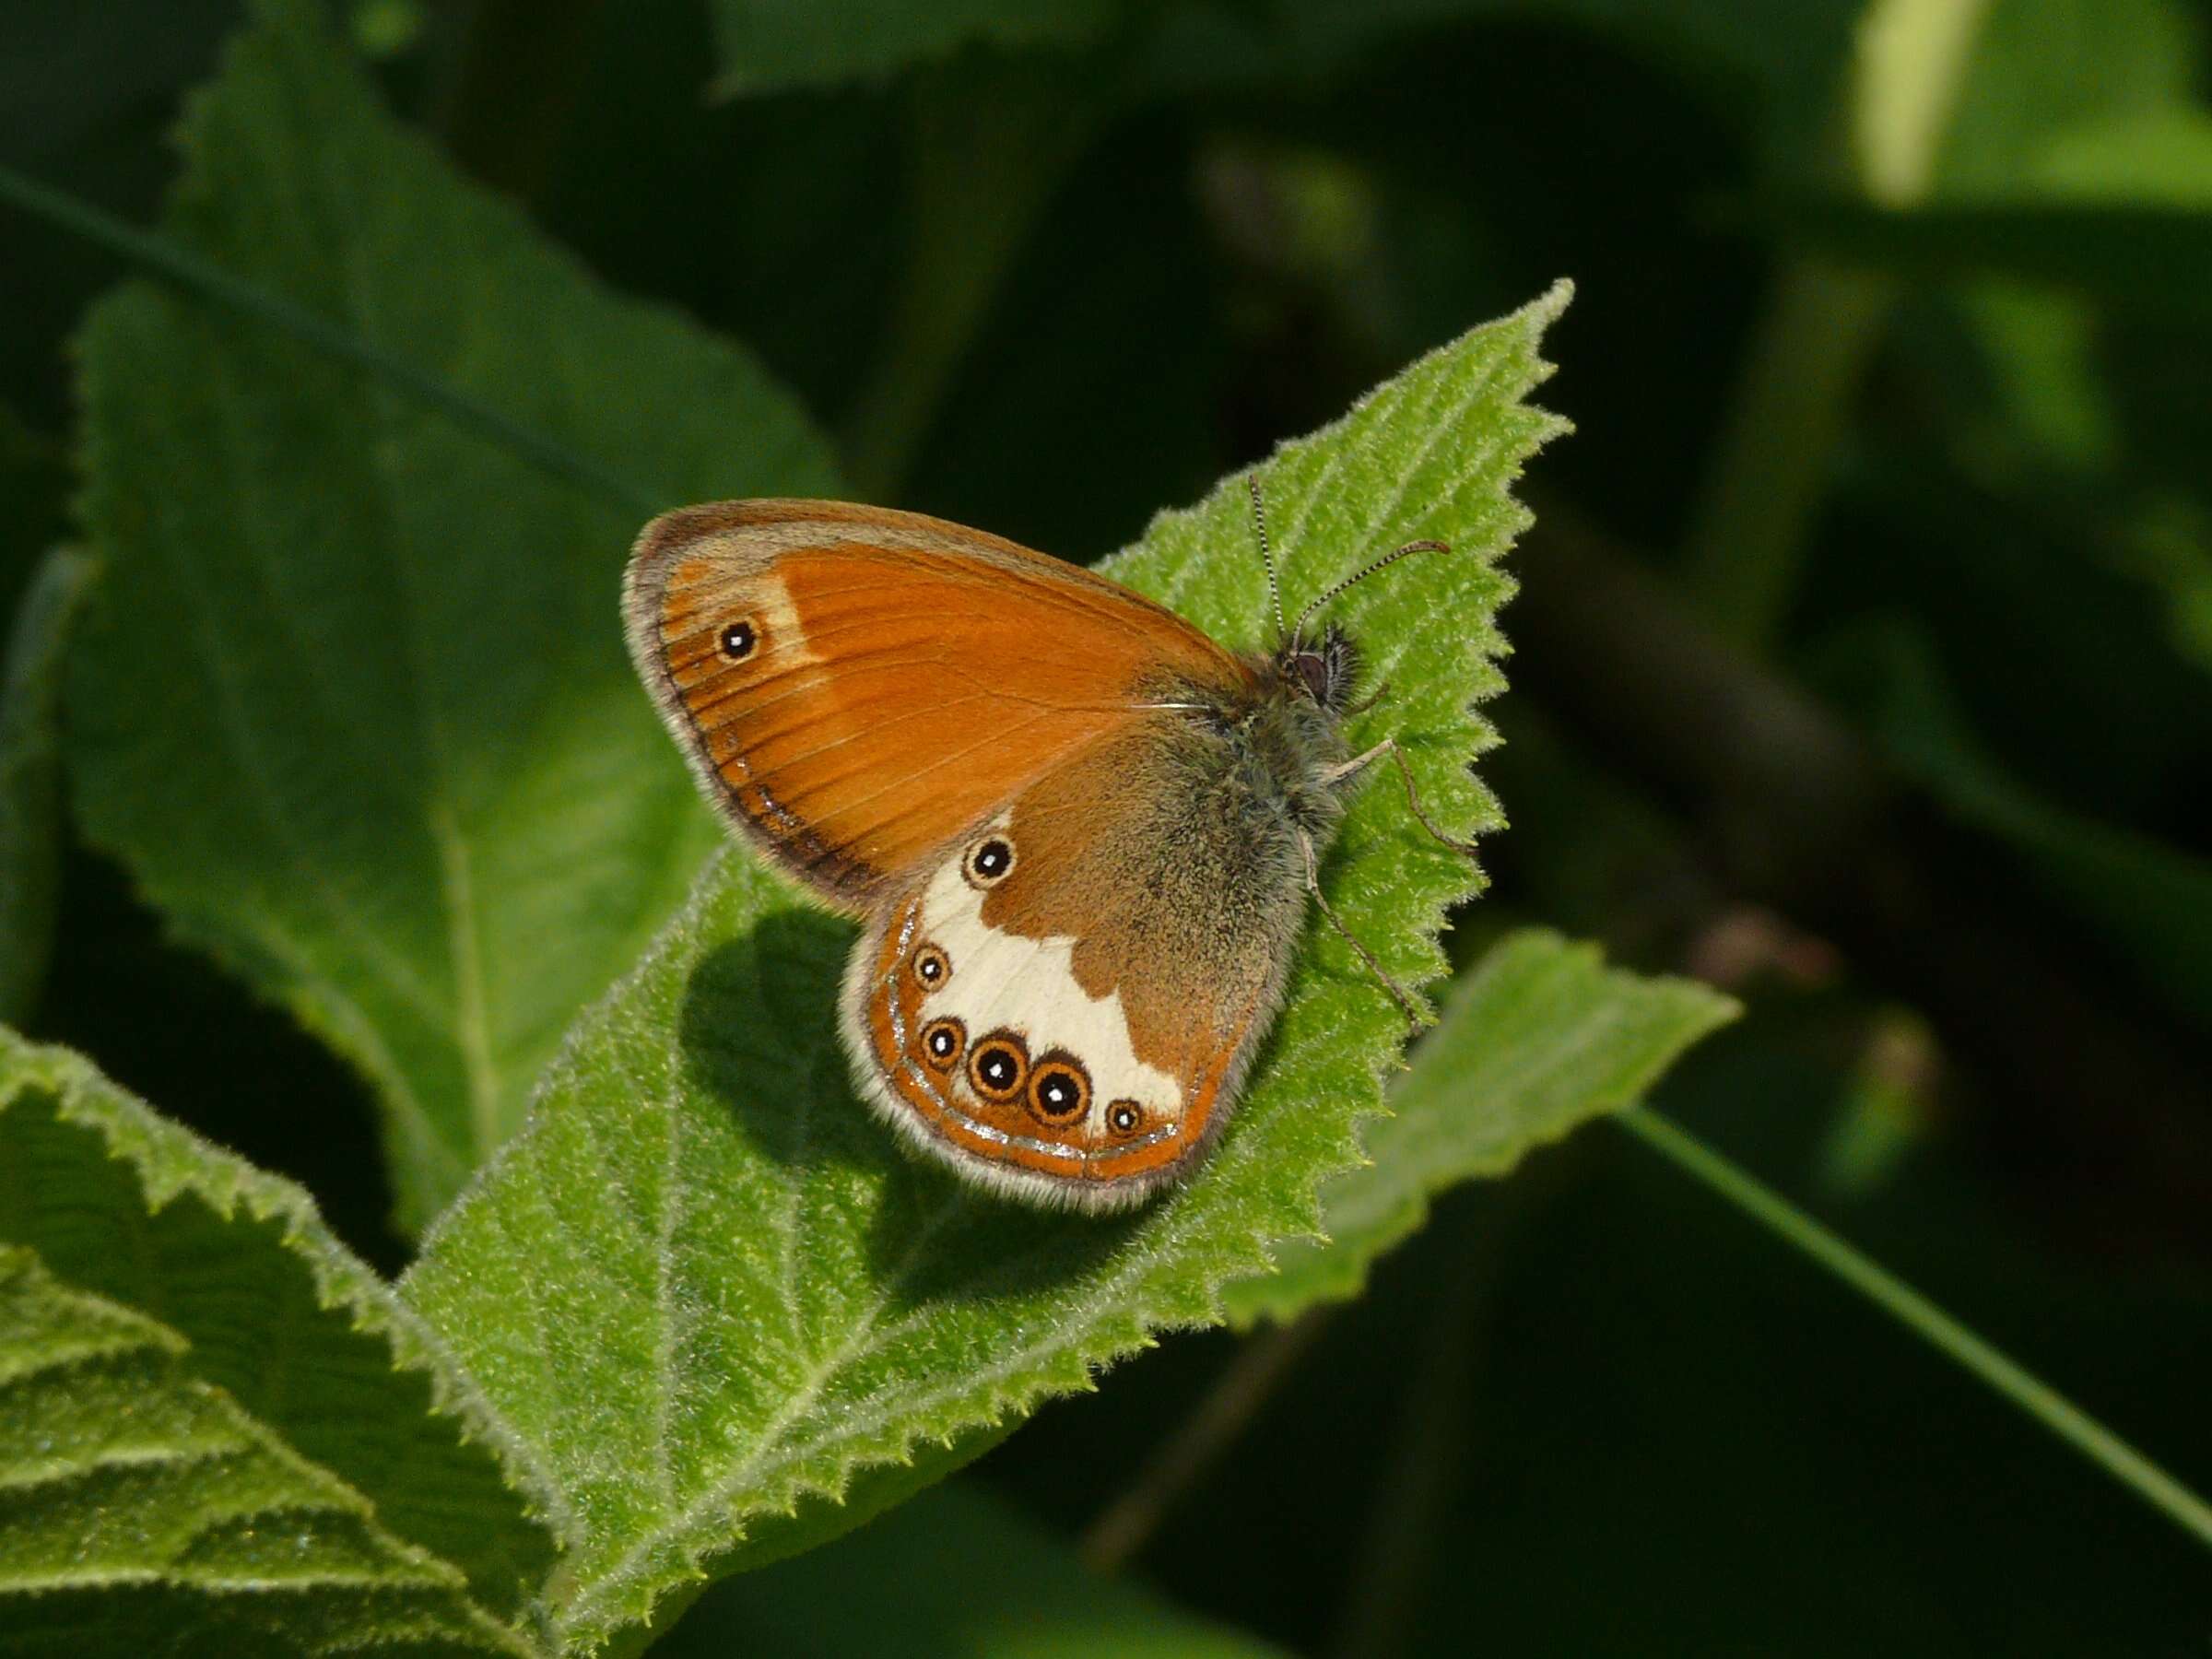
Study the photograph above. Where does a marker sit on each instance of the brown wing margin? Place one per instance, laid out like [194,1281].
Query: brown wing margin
[893,678]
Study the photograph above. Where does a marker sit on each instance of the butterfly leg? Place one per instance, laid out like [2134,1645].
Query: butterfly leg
[1370,701]
[1389,746]
[1416,1016]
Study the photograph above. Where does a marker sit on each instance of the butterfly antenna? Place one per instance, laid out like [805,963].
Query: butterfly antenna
[1275,590]
[1383,563]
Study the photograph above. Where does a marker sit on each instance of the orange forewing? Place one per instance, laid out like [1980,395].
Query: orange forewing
[905,675]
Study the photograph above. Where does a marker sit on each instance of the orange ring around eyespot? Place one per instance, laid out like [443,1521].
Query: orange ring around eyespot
[927,955]
[947,1028]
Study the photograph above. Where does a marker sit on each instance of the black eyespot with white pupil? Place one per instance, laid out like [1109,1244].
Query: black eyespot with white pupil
[932,967]
[739,641]
[990,860]
[1123,1116]
[1059,1088]
[998,1066]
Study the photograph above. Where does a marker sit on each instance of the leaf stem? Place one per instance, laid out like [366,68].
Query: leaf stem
[209,281]
[1998,1371]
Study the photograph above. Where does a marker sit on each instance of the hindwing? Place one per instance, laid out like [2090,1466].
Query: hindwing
[1063,1003]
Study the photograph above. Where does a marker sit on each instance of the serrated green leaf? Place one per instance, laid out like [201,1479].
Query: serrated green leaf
[705,1284]
[214,1420]
[770,45]
[139,1505]
[347,703]
[1042,1602]
[1539,1040]
[30,803]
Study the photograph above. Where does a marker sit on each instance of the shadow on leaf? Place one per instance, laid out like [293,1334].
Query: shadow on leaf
[760,1037]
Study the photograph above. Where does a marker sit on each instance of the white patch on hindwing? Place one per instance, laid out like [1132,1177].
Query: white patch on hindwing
[1029,986]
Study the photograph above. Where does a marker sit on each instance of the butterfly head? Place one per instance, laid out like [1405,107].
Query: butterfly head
[1323,668]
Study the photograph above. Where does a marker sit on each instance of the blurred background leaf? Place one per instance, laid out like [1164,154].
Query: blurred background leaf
[2152,904]
[422,805]
[2153,260]
[768,47]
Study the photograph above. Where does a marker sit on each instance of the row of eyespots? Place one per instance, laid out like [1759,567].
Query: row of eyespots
[1056,1087]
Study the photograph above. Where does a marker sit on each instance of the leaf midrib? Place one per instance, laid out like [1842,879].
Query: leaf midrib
[470,1028]
[795,1404]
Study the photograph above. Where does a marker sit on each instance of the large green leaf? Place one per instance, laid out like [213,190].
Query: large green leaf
[217,1426]
[1539,1040]
[30,805]
[1042,1603]
[350,702]
[705,1284]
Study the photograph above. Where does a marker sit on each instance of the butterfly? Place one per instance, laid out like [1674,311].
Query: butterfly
[1080,833]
